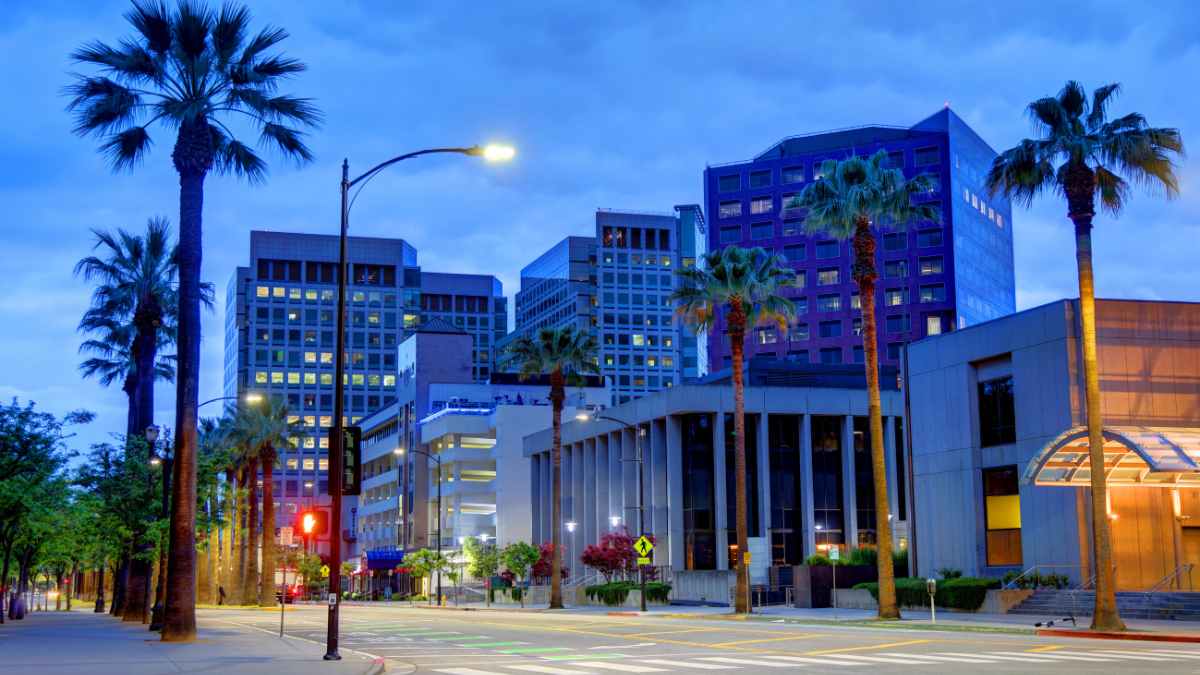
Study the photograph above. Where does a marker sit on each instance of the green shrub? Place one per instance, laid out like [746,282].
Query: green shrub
[818,560]
[615,593]
[863,556]
[657,591]
[950,573]
[957,593]
[900,561]
[1035,580]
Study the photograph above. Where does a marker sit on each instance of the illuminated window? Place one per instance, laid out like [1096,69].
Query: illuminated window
[637,340]
[324,442]
[309,464]
[294,293]
[310,421]
[294,441]
[326,421]
[260,377]
[279,292]
[327,296]
[277,378]
[762,205]
[310,442]
[893,297]
[411,320]
[310,295]
[358,296]
[326,378]
[729,209]
[828,277]
[389,380]
[668,362]
[667,342]
[373,380]
[293,464]
[310,357]
[323,464]
[326,357]
[310,378]
[293,378]
[1002,509]
[262,292]
[373,318]
[651,361]
[357,379]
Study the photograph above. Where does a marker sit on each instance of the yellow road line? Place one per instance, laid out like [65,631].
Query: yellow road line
[866,647]
[799,636]
[1046,648]
[670,632]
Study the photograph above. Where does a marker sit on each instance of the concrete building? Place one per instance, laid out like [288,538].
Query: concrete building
[472,302]
[809,477]
[616,284]
[1000,449]
[933,278]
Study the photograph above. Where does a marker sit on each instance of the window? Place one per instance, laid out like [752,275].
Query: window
[801,282]
[827,250]
[933,325]
[791,228]
[857,326]
[831,356]
[893,297]
[760,178]
[933,293]
[895,160]
[761,205]
[730,183]
[830,329]
[761,230]
[793,174]
[766,336]
[895,241]
[896,323]
[800,303]
[794,252]
[1002,514]
[929,238]
[855,301]
[827,277]
[730,209]
[798,333]
[927,156]
[931,265]
[895,269]
[829,303]
[730,234]
[997,419]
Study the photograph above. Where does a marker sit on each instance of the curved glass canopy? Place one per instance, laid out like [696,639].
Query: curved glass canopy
[1133,456]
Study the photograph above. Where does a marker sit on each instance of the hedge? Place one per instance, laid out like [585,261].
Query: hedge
[960,593]
[614,593]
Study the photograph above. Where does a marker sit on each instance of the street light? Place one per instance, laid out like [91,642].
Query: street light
[614,521]
[252,398]
[583,416]
[491,153]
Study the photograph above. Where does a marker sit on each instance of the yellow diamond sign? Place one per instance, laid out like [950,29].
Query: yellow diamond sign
[643,546]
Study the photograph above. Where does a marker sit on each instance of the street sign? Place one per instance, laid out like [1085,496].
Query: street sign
[835,553]
[746,558]
[350,448]
[643,546]
[324,571]
[285,536]
[643,561]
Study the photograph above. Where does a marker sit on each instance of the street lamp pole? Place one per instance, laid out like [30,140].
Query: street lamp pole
[641,509]
[491,153]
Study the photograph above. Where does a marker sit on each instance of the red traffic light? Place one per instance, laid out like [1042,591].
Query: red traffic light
[313,522]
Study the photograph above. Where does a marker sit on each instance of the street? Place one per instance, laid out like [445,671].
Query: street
[570,643]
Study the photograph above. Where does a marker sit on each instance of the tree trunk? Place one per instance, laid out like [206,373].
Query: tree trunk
[737,335]
[266,591]
[1081,207]
[228,519]
[5,591]
[137,589]
[865,275]
[99,609]
[146,320]
[239,542]
[250,583]
[193,156]
[557,396]
[120,584]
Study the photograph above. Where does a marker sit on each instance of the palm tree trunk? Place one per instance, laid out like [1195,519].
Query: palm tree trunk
[99,609]
[557,395]
[193,159]
[239,556]
[229,519]
[214,550]
[266,591]
[737,336]
[137,588]
[1079,196]
[865,275]
[250,583]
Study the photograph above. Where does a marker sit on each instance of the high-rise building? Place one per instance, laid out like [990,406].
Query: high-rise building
[617,284]
[280,332]
[933,277]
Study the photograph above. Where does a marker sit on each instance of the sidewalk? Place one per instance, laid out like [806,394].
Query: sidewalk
[80,641]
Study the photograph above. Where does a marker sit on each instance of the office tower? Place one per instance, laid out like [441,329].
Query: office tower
[472,302]
[932,277]
[616,284]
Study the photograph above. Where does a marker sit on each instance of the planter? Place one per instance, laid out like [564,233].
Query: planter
[997,601]
[812,583]
[632,601]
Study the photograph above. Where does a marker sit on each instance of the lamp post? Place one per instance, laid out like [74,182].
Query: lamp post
[492,153]
[641,508]
[438,464]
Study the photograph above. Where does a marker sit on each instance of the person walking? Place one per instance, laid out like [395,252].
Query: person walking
[221,595]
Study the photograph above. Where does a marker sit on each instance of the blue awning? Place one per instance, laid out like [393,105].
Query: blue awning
[384,558]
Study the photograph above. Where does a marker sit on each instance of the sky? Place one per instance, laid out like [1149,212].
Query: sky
[610,104]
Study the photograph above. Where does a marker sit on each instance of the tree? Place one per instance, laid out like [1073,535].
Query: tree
[518,558]
[562,353]
[853,200]
[192,70]
[745,285]
[483,560]
[265,428]
[424,563]
[613,556]
[1082,155]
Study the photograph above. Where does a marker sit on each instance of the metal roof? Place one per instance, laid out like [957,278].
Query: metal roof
[1133,456]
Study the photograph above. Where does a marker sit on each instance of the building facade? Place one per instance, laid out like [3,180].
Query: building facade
[809,474]
[1000,450]
[616,284]
[934,277]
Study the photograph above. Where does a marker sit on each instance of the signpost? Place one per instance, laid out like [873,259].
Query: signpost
[835,554]
[931,588]
[644,548]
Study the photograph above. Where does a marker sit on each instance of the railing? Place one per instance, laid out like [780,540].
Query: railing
[1181,570]
[1032,573]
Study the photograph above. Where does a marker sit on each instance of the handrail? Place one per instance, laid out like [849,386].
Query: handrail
[1033,571]
[1184,568]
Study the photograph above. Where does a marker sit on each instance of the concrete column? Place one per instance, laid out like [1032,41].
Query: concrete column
[535,497]
[719,496]
[808,513]
[629,502]
[764,478]
[600,468]
[674,451]
[660,459]
[578,505]
[588,526]
[889,456]
[849,502]
[547,497]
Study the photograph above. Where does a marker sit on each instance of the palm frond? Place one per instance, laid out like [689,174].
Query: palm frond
[153,22]
[229,32]
[126,149]
[231,156]
[1099,108]
[289,141]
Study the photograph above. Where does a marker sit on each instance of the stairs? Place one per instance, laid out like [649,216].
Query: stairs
[1169,606]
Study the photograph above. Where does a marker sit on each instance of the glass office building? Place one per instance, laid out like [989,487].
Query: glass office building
[933,277]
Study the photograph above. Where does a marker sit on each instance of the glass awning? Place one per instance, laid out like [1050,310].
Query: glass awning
[1133,456]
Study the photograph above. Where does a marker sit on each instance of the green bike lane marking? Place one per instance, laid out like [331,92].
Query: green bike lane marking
[584,657]
[492,644]
[534,650]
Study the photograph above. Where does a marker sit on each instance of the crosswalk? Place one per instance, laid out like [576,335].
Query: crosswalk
[761,662]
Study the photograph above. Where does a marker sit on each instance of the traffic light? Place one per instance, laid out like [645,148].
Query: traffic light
[314,522]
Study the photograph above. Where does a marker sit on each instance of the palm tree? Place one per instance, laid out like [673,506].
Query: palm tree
[213,457]
[745,285]
[110,360]
[561,353]
[194,71]
[1081,154]
[855,198]
[267,428]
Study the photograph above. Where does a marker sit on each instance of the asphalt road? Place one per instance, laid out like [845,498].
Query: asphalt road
[562,643]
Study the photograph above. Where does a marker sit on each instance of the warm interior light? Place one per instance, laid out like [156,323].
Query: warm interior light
[253,398]
[155,461]
[494,152]
[398,451]
[582,417]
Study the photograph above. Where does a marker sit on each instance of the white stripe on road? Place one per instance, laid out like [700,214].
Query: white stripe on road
[813,661]
[746,662]
[640,644]
[1137,656]
[906,660]
[546,669]
[691,665]
[623,667]
[1121,655]
[1176,652]
[1032,658]
[939,657]
[1069,656]
[464,671]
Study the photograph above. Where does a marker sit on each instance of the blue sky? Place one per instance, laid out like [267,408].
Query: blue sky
[616,104]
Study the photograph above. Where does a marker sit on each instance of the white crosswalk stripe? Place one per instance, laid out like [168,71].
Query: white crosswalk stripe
[1108,657]
[688,664]
[1137,656]
[1032,658]
[1177,652]
[545,669]
[811,660]
[1058,656]
[943,657]
[463,671]
[623,667]
[746,662]
[906,660]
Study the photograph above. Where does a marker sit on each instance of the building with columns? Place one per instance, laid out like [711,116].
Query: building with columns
[809,481]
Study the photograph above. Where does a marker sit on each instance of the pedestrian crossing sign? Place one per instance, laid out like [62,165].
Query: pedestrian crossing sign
[643,546]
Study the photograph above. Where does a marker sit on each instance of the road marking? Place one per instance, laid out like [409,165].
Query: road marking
[746,662]
[494,644]
[1046,648]
[995,657]
[623,667]
[673,632]
[691,664]
[546,669]
[883,659]
[464,671]
[802,659]
[801,636]
[533,650]
[858,649]
[1070,656]
[640,644]
[1176,652]
[1137,656]
[947,657]
[583,657]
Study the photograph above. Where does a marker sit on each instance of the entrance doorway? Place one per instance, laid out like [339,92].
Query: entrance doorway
[1191,555]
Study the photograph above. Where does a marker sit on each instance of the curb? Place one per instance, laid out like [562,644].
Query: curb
[1107,635]
[378,666]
